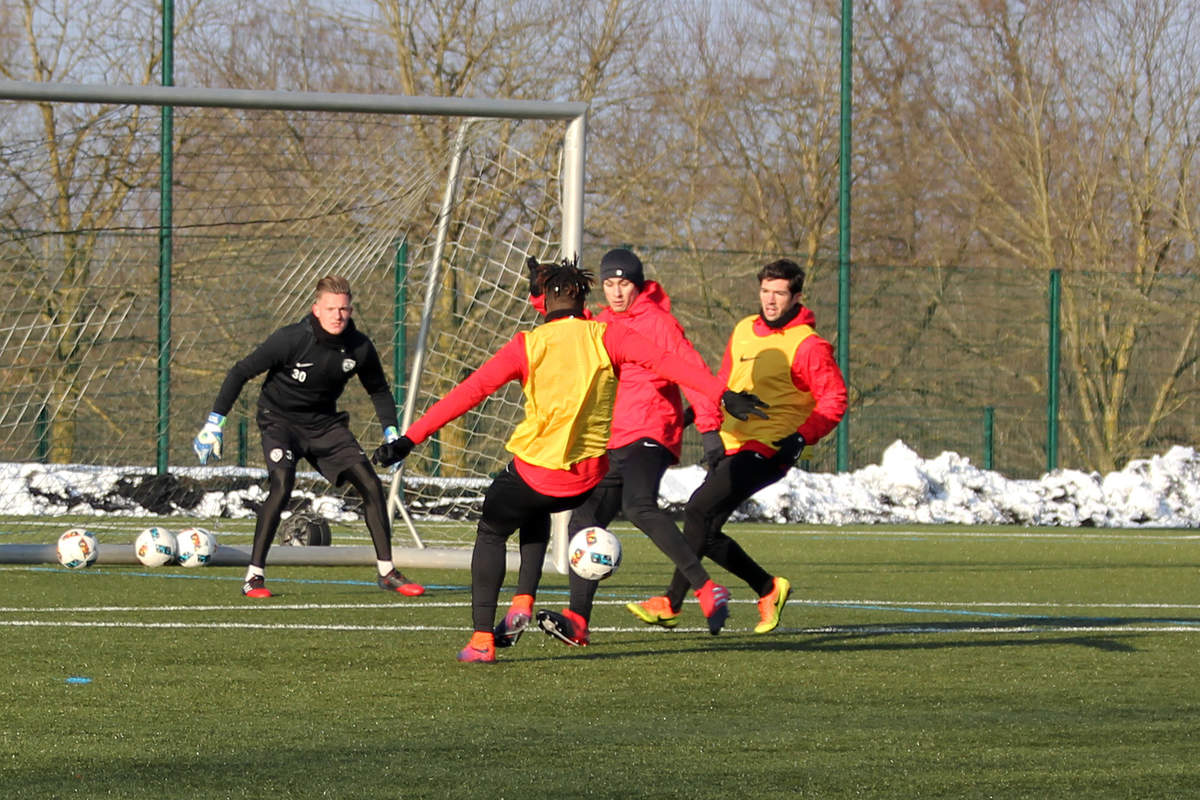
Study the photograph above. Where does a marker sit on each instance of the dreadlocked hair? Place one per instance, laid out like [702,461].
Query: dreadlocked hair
[566,279]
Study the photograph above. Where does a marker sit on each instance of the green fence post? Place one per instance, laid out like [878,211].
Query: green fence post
[1052,380]
[844,175]
[989,424]
[166,165]
[41,435]
[243,435]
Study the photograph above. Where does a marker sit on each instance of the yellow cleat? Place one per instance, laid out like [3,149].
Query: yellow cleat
[655,611]
[770,606]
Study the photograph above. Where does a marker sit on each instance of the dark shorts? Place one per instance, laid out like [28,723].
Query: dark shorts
[326,443]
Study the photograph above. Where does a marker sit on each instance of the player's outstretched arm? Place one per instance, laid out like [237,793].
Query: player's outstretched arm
[625,344]
[743,404]
[393,451]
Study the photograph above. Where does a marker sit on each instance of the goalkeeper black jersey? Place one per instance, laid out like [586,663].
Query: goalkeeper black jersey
[307,371]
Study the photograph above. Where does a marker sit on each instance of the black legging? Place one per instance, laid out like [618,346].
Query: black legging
[360,476]
[733,481]
[510,504]
[631,486]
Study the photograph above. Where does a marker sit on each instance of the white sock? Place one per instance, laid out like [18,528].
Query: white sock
[252,570]
[384,567]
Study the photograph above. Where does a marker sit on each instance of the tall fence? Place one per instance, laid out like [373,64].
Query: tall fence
[266,200]
[960,358]
[943,359]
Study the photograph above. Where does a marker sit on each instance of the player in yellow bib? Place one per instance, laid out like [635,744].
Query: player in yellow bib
[777,356]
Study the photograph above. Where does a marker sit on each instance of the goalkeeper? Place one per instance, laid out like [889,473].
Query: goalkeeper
[776,354]
[567,369]
[308,365]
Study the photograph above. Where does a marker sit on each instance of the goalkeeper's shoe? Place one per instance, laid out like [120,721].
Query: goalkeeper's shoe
[655,611]
[480,650]
[256,587]
[515,621]
[567,626]
[770,605]
[395,581]
[714,602]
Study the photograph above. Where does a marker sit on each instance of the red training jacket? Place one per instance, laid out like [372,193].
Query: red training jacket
[648,405]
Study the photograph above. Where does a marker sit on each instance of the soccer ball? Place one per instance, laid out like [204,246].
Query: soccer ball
[195,547]
[594,553]
[77,548]
[155,547]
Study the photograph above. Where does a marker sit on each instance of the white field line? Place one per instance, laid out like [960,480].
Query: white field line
[823,630]
[415,604]
[1102,534]
[1159,535]
[1048,626]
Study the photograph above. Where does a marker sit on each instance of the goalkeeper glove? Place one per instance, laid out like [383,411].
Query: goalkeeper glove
[743,404]
[714,449]
[208,440]
[390,434]
[790,448]
[393,452]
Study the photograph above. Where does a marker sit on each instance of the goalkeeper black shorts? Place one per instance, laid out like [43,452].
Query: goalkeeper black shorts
[325,442]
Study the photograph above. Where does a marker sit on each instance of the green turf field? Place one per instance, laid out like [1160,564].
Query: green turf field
[931,662]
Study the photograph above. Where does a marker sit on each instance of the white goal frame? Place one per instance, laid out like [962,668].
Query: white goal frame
[571,179]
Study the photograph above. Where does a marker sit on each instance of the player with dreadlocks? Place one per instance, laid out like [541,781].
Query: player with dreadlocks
[566,367]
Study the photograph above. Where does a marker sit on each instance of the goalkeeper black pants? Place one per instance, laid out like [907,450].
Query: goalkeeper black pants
[731,482]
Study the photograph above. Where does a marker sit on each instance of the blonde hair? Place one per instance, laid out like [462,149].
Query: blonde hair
[333,284]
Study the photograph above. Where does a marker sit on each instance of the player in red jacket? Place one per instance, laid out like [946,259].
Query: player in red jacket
[647,432]
[566,367]
[777,355]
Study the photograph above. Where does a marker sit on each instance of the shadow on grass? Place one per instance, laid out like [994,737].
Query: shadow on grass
[1010,632]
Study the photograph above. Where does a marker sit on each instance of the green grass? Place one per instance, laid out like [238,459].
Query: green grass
[927,662]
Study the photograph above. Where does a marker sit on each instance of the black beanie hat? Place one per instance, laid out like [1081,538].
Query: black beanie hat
[622,263]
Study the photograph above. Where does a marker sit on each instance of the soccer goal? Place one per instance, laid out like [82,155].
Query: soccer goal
[151,236]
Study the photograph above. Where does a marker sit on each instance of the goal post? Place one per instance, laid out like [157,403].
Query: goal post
[270,190]
[458,331]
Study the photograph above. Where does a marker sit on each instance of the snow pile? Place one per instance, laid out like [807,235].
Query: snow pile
[1163,491]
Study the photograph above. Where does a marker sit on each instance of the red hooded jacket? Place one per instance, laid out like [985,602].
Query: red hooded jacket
[648,406]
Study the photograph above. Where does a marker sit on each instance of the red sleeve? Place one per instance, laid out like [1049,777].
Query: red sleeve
[508,364]
[627,345]
[710,417]
[815,370]
[677,342]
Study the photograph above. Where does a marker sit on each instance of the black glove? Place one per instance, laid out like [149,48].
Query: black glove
[790,448]
[393,452]
[535,278]
[714,449]
[743,404]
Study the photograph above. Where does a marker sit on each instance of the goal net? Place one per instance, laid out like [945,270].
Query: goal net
[152,236]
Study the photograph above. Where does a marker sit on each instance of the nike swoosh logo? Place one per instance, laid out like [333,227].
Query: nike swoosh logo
[306,364]
[747,358]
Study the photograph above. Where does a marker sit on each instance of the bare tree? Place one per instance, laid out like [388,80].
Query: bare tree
[1073,129]
[72,171]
